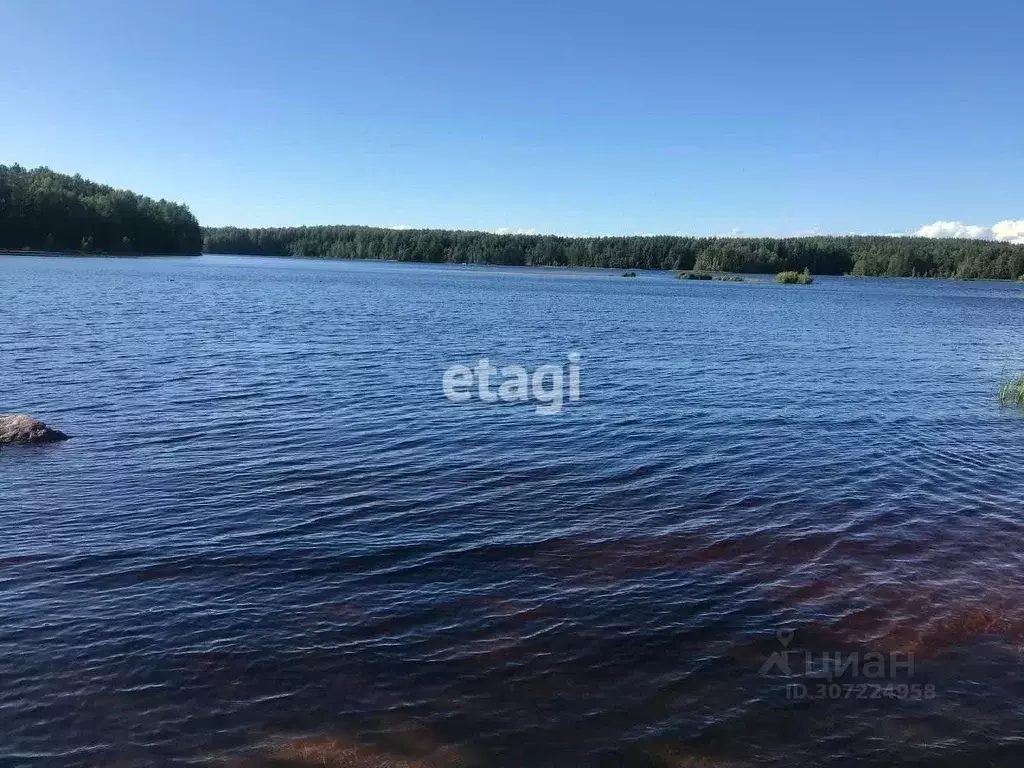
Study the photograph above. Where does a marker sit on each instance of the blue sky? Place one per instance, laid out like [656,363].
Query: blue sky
[568,117]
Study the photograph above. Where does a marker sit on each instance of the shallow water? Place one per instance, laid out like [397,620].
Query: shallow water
[273,541]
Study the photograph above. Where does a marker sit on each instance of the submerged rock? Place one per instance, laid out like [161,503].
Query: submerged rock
[19,428]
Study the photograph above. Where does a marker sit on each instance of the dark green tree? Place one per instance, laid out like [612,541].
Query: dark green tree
[44,210]
[822,255]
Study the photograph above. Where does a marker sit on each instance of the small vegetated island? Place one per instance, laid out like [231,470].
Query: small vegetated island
[792,277]
[46,211]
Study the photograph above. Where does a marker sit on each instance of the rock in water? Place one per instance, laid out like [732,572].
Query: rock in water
[18,428]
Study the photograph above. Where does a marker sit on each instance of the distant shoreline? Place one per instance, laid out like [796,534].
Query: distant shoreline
[91,254]
[767,275]
[863,255]
[616,270]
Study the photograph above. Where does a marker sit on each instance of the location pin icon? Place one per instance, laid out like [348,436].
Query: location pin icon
[785,636]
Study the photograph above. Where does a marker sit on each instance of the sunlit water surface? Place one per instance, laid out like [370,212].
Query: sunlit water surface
[272,541]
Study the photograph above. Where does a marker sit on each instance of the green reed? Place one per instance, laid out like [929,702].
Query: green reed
[1012,392]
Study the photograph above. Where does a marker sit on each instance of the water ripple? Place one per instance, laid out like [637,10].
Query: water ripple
[272,542]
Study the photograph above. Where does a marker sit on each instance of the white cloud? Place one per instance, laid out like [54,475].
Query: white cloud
[955,229]
[1007,231]
[507,231]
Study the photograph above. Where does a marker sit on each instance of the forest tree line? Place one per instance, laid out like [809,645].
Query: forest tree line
[866,255]
[48,211]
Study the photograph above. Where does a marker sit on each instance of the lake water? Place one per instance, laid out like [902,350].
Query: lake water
[273,541]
